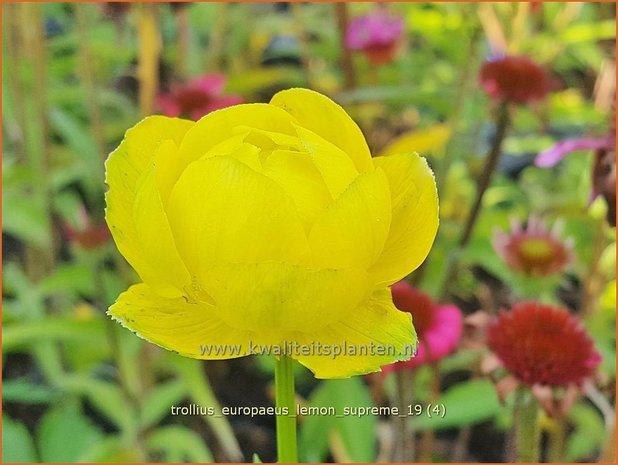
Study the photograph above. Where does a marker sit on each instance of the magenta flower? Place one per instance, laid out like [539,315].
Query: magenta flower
[197,97]
[438,327]
[552,156]
[376,34]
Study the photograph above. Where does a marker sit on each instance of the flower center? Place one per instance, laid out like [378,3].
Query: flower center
[536,249]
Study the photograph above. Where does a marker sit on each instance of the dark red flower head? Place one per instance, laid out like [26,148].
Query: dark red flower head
[197,97]
[438,327]
[544,345]
[515,79]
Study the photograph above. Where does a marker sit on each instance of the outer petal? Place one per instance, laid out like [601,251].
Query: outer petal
[352,231]
[222,211]
[415,216]
[278,298]
[165,271]
[321,115]
[380,331]
[180,326]
[124,168]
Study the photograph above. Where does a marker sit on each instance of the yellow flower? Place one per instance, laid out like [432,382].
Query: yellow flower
[264,226]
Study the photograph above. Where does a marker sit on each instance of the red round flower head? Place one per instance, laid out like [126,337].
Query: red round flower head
[438,327]
[534,250]
[543,345]
[197,97]
[88,234]
[515,79]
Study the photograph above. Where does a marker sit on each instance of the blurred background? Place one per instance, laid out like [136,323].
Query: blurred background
[416,77]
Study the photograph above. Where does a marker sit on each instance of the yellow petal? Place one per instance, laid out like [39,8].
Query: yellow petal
[378,334]
[296,173]
[276,298]
[321,115]
[414,219]
[333,164]
[269,140]
[220,125]
[352,231]
[425,140]
[190,329]
[222,211]
[165,270]
[124,167]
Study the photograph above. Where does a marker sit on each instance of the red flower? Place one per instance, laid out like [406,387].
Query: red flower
[87,234]
[543,345]
[516,79]
[438,327]
[197,97]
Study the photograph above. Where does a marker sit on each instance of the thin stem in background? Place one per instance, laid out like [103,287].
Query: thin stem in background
[149,53]
[491,163]
[88,77]
[556,440]
[217,38]
[181,15]
[404,449]
[427,438]
[17,128]
[608,450]
[594,282]
[347,63]
[527,430]
[299,31]
[285,400]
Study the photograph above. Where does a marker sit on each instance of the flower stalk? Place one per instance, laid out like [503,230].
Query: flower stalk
[405,444]
[285,400]
[527,431]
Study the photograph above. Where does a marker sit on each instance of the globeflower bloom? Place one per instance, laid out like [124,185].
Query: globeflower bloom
[514,79]
[438,327]
[376,34]
[534,250]
[543,345]
[197,97]
[267,225]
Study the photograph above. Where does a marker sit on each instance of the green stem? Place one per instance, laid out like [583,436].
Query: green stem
[527,431]
[405,440]
[483,182]
[556,440]
[285,400]
[347,62]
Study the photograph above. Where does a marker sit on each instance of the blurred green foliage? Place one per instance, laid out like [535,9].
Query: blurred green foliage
[78,387]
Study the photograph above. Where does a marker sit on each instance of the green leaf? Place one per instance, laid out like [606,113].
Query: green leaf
[17,444]
[75,277]
[107,398]
[466,403]
[201,393]
[159,400]
[588,432]
[25,217]
[357,434]
[179,444]
[24,334]
[24,391]
[66,435]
